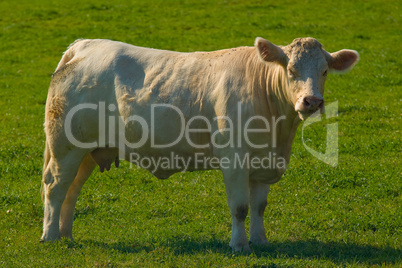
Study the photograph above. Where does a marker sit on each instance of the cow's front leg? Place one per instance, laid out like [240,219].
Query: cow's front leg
[236,184]
[258,202]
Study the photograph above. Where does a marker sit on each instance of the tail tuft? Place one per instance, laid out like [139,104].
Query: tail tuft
[46,161]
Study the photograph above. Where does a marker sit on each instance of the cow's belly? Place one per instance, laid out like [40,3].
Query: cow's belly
[165,162]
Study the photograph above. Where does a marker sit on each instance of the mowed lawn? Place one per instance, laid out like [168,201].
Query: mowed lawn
[317,215]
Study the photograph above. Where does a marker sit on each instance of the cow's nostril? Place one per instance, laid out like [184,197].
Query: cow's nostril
[313,103]
[321,104]
[306,102]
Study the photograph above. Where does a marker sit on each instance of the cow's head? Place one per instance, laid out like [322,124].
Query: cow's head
[306,65]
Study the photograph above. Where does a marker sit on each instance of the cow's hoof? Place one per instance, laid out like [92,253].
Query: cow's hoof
[42,239]
[49,238]
[259,242]
[66,234]
[241,249]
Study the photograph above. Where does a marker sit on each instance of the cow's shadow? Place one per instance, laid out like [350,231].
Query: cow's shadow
[339,253]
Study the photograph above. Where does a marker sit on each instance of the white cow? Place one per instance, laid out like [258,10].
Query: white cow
[236,110]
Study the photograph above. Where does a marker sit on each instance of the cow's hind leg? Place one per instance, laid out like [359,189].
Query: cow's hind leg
[68,207]
[258,202]
[57,177]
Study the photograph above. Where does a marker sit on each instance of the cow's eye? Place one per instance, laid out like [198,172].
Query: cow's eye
[292,73]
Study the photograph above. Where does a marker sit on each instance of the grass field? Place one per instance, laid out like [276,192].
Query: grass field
[317,215]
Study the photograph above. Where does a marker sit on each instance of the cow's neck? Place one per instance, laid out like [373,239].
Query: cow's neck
[275,104]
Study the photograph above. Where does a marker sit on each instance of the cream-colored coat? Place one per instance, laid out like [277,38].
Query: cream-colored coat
[110,100]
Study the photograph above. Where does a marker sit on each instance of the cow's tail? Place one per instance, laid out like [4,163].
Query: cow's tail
[46,160]
[68,54]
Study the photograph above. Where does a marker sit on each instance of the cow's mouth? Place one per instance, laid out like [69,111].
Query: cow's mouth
[303,115]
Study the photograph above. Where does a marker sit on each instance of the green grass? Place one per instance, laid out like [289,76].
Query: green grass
[317,215]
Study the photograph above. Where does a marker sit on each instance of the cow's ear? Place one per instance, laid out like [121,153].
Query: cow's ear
[269,52]
[343,60]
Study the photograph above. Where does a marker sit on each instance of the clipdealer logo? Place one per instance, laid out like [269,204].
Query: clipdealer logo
[330,156]
[113,134]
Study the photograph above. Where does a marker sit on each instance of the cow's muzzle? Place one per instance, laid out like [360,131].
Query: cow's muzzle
[308,105]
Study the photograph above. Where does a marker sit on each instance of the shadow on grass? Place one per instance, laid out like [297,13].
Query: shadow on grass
[339,253]
[336,252]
